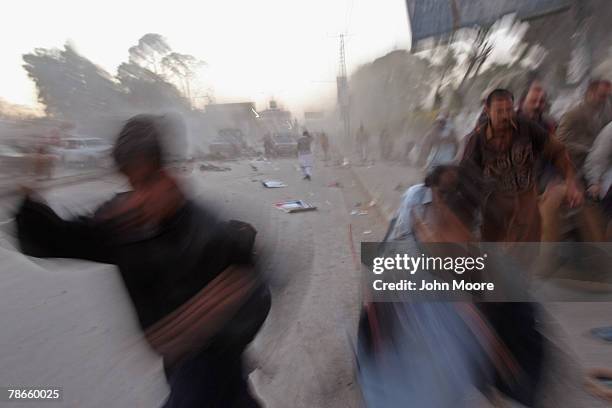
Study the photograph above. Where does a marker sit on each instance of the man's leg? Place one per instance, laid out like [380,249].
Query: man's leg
[210,380]
[517,328]
[591,223]
[550,207]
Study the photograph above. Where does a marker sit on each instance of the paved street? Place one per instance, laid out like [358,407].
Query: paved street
[69,323]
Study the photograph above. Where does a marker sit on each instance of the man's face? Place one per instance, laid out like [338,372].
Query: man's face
[154,193]
[142,176]
[535,101]
[501,113]
[602,94]
[447,185]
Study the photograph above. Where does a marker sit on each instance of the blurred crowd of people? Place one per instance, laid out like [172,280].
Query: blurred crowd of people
[200,298]
[520,178]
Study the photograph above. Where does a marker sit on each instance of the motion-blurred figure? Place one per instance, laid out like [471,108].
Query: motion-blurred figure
[304,151]
[577,130]
[444,209]
[362,139]
[598,172]
[580,126]
[534,104]
[189,275]
[385,144]
[422,353]
[44,162]
[440,145]
[505,151]
[268,145]
[324,143]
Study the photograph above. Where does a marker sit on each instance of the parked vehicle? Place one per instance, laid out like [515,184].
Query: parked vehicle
[281,144]
[14,160]
[84,151]
[229,143]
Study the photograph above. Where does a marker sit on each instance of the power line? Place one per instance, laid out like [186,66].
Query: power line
[349,15]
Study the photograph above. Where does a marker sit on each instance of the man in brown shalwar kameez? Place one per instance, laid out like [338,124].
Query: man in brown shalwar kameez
[506,149]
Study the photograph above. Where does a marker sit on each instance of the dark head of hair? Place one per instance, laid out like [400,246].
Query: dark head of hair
[305,133]
[434,177]
[140,139]
[462,193]
[499,93]
[532,78]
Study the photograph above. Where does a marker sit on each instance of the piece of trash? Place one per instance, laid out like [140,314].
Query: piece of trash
[603,333]
[253,167]
[212,167]
[292,206]
[335,184]
[273,184]
[367,232]
[358,204]
[357,212]
[346,162]
[372,203]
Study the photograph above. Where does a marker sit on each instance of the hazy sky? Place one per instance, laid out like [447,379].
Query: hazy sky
[256,49]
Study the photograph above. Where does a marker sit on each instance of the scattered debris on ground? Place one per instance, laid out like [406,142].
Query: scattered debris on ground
[262,159]
[212,167]
[273,184]
[603,333]
[367,232]
[336,184]
[357,212]
[292,206]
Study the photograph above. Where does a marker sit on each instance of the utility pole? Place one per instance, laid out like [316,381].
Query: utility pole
[343,91]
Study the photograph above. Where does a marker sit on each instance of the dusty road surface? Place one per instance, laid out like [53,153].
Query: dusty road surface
[69,323]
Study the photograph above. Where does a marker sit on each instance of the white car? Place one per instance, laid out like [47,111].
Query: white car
[84,151]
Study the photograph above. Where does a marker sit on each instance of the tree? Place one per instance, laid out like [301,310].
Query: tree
[480,50]
[149,52]
[183,67]
[70,86]
[148,90]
